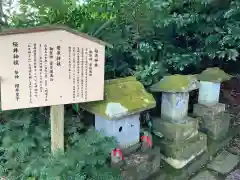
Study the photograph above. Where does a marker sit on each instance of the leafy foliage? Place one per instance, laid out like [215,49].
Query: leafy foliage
[149,74]
[25,151]
[177,35]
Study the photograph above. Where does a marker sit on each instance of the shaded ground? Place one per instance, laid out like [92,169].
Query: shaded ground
[230,95]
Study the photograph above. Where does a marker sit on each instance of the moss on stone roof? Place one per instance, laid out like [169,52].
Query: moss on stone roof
[213,75]
[122,97]
[176,83]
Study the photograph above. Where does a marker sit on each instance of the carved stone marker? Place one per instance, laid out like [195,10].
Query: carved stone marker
[215,120]
[182,142]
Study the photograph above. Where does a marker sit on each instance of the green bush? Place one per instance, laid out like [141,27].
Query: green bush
[25,151]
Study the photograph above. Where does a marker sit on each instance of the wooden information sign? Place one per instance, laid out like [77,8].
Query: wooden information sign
[50,66]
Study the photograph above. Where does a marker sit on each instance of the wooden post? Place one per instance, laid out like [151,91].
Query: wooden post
[57,128]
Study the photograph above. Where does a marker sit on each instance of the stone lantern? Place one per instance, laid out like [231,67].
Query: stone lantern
[215,120]
[182,142]
[118,116]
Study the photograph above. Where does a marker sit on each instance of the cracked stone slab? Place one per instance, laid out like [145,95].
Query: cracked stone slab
[224,163]
[205,175]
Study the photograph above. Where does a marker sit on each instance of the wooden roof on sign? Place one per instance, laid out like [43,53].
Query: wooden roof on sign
[53,28]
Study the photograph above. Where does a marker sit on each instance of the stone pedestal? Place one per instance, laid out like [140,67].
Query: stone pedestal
[182,142]
[179,155]
[141,165]
[176,132]
[215,120]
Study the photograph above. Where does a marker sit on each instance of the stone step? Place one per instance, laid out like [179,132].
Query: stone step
[224,163]
[205,175]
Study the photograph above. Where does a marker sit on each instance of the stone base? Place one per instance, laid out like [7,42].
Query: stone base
[167,172]
[201,110]
[140,166]
[205,175]
[131,149]
[179,155]
[176,132]
[215,120]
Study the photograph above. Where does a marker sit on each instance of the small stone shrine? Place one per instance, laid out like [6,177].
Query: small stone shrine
[182,142]
[118,116]
[214,119]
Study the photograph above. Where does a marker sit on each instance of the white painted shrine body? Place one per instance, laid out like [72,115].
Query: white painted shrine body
[208,93]
[126,130]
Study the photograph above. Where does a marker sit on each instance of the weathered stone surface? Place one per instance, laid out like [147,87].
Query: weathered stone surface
[235,175]
[176,132]
[224,163]
[184,149]
[215,120]
[131,149]
[218,128]
[215,145]
[179,155]
[234,147]
[213,75]
[140,166]
[205,175]
[174,106]
[169,173]
[176,83]
[201,110]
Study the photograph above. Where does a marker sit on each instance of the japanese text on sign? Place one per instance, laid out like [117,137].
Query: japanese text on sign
[45,70]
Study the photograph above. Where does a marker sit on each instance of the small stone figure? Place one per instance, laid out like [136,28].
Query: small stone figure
[116,156]
[146,140]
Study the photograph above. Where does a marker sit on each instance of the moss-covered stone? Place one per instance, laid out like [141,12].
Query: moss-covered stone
[176,132]
[213,75]
[176,83]
[140,166]
[215,120]
[169,173]
[185,149]
[123,96]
